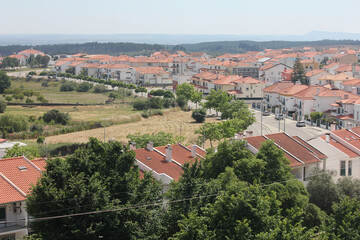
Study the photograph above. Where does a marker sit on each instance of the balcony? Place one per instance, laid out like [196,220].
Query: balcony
[11,226]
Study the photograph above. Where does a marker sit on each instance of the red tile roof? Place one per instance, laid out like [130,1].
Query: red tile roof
[157,162]
[295,150]
[341,147]
[8,193]
[278,87]
[23,179]
[180,153]
[40,163]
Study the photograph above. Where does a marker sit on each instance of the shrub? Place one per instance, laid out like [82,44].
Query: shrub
[145,114]
[67,87]
[56,116]
[36,128]
[32,73]
[44,84]
[28,100]
[99,88]
[141,105]
[40,140]
[199,115]
[84,87]
[169,102]
[181,101]
[156,103]
[13,123]
[2,106]
[43,73]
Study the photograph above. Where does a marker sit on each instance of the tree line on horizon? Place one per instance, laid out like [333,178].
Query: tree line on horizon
[113,48]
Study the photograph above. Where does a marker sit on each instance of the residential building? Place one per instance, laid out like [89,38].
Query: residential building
[314,75]
[165,162]
[271,95]
[17,175]
[343,150]
[152,76]
[271,73]
[335,80]
[303,158]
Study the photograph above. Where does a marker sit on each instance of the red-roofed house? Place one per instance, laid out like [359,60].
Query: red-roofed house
[343,150]
[271,73]
[118,71]
[165,162]
[152,76]
[17,175]
[29,52]
[303,157]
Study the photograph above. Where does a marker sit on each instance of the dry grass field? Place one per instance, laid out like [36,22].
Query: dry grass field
[109,113]
[173,121]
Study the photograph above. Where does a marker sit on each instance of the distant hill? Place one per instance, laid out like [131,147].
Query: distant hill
[220,47]
[245,46]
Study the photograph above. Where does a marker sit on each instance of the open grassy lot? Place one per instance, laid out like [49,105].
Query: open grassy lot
[53,94]
[112,113]
[173,121]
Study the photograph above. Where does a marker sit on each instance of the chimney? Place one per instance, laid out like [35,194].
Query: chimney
[193,151]
[353,90]
[150,146]
[327,137]
[168,153]
[346,96]
[249,133]
[133,146]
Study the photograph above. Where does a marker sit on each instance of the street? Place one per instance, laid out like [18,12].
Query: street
[271,125]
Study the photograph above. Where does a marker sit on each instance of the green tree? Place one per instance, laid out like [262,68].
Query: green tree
[57,117]
[29,152]
[156,103]
[99,88]
[345,222]
[2,106]
[84,87]
[213,132]
[100,176]
[41,99]
[10,62]
[316,115]
[158,139]
[299,73]
[68,87]
[199,115]
[5,81]
[8,98]
[216,100]
[181,101]
[13,123]
[196,97]
[276,161]
[186,90]
[323,191]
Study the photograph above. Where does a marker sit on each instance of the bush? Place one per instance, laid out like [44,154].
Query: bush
[43,73]
[67,87]
[84,87]
[32,73]
[36,128]
[2,106]
[181,101]
[40,140]
[169,102]
[99,88]
[199,115]
[56,116]
[29,101]
[156,103]
[145,114]
[13,123]
[141,105]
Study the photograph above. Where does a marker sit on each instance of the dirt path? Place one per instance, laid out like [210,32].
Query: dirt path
[175,122]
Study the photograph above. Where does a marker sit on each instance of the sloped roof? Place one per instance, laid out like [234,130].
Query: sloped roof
[278,87]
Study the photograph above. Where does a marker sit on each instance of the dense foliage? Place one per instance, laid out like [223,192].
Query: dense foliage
[100,176]
[57,117]
[158,139]
[5,81]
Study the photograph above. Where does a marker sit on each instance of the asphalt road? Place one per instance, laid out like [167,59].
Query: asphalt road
[271,125]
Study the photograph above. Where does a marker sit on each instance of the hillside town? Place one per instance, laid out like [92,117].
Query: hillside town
[318,89]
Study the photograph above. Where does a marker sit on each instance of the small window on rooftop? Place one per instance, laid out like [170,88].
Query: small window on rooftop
[353,137]
[148,158]
[22,168]
[347,138]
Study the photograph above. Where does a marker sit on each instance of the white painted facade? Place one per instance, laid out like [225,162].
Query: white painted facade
[14,212]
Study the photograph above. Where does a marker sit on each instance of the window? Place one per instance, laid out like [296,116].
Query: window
[2,214]
[349,168]
[342,168]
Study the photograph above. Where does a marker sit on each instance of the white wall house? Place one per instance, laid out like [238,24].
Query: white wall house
[271,73]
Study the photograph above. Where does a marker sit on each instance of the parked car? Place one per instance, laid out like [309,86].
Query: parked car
[279,116]
[300,124]
[266,113]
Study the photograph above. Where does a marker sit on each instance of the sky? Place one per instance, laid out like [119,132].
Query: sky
[252,17]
